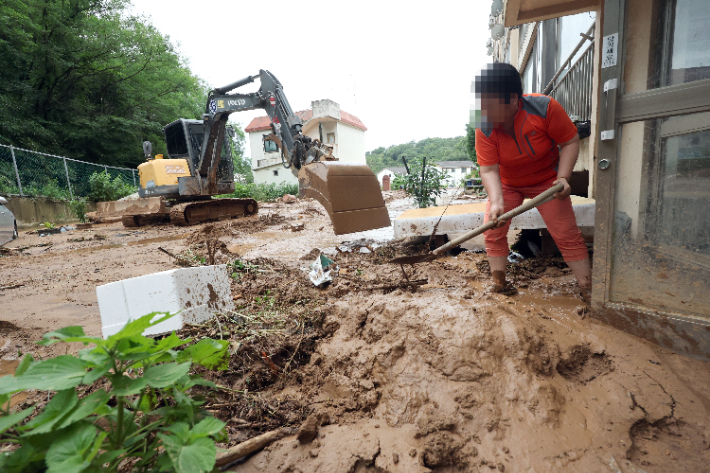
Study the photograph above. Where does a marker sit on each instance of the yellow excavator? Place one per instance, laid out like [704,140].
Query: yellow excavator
[179,188]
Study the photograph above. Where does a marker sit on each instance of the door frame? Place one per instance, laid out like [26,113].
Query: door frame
[684,333]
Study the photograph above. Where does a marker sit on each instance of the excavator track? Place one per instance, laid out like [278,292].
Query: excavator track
[192,213]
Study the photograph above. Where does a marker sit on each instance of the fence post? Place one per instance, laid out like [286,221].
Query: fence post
[17,174]
[66,170]
[106,169]
[133,171]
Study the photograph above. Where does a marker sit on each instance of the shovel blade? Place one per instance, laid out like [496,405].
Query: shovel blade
[414,259]
[349,192]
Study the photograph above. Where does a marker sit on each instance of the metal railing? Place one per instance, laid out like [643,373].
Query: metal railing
[572,87]
[31,173]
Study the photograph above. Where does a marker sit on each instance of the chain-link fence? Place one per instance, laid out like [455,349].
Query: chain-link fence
[30,173]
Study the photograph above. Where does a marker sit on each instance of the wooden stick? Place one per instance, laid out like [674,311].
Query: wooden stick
[12,286]
[248,447]
[419,282]
[167,252]
[532,203]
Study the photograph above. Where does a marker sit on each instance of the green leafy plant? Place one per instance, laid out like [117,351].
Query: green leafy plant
[103,189]
[141,415]
[267,299]
[50,190]
[424,182]
[78,207]
[49,225]
[262,192]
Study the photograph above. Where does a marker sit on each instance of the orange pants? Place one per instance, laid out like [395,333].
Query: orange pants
[557,214]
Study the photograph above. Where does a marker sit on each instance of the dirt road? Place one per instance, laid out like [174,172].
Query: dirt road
[446,378]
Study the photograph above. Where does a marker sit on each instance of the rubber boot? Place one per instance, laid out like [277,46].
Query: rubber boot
[501,286]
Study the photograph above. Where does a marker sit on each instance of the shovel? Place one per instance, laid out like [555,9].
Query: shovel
[530,204]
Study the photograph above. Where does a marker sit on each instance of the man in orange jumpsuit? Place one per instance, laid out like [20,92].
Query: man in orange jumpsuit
[526,143]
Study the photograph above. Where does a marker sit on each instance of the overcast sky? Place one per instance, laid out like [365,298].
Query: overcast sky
[404,70]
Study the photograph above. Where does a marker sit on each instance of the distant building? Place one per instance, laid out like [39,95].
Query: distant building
[391,172]
[341,129]
[455,170]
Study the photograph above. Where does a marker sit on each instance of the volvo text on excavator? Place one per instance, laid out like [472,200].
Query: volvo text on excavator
[179,188]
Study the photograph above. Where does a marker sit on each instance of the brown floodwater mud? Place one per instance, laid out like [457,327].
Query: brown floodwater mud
[447,376]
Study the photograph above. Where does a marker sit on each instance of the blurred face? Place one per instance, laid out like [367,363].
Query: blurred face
[494,110]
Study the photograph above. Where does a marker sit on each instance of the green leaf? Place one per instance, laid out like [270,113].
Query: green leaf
[72,452]
[187,382]
[8,421]
[138,326]
[25,459]
[148,401]
[125,386]
[197,456]
[170,342]
[54,374]
[68,335]
[62,402]
[212,354]
[86,407]
[164,375]
[207,427]
[24,365]
[96,373]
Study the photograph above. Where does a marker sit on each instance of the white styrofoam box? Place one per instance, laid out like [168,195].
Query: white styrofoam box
[196,293]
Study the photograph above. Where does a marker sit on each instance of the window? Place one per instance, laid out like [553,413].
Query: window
[331,137]
[270,146]
[689,56]
[175,140]
[276,173]
[570,29]
[530,72]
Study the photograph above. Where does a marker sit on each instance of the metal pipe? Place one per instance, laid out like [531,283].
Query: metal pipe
[17,174]
[564,64]
[234,85]
[66,170]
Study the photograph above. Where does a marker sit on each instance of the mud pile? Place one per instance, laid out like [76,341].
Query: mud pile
[453,378]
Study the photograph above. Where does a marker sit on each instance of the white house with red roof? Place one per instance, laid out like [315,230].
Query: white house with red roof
[341,129]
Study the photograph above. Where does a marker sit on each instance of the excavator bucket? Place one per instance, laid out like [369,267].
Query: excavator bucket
[349,192]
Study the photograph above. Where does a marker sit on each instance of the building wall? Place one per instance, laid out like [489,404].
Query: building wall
[266,175]
[350,144]
[256,146]
[455,174]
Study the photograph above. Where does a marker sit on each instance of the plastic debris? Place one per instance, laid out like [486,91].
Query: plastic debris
[515,258]
[323,269]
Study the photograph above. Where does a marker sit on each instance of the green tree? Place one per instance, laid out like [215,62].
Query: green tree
[242,164]
[89,80]
[435,149]
[471,142]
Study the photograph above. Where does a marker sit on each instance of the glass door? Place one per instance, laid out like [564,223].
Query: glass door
[652,273]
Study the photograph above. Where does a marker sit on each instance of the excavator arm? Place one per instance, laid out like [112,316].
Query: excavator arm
[350,192]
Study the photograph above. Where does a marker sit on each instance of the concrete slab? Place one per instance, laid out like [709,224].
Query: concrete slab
[465,217]
[196,293]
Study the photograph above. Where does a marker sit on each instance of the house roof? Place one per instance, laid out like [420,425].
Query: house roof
[264,123]
[396,170]
[455,164]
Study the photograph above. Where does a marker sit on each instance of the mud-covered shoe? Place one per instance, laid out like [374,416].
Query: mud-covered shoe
[507,289]
[501,286]
[585,293]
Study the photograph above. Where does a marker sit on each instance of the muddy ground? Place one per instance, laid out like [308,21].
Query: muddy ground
[381,378]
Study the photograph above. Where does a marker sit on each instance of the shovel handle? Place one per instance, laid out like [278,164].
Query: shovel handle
[530,204]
